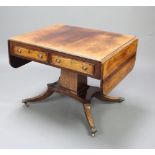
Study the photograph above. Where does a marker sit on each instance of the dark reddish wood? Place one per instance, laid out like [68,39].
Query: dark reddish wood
[118,75]
[87,109]
[40,97]
[116,68]
[82,42]
[72,81]
[110,99]
[82,94]
[15,61]
[103,55]
[72,64]
[19,60]
[84,97]
[115,62]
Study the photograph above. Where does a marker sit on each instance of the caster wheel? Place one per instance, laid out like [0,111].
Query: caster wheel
[121,100]
[93,131]
[24,101]
[26,104]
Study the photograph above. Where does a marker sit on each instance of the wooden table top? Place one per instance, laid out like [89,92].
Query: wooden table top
[87,43]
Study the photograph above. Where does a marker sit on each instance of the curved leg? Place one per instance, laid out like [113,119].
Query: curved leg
[103,97]
[87,110]
[44,95]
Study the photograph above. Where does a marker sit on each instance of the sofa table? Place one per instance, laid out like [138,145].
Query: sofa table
[79,52]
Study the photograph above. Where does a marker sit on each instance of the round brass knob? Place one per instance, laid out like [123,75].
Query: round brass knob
[40,56]
[19,50]
[58,60]
[84,68]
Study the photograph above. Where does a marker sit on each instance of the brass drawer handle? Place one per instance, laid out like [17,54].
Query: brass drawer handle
[84,68]
[40,56]
[58,60]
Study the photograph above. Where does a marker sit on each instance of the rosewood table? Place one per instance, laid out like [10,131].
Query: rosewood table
[79,52]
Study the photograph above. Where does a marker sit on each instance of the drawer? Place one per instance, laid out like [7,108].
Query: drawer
[29,53]
[77,65]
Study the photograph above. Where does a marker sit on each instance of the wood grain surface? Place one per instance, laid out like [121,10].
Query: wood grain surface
[29,53]
[118,66]
[82,42]
[72,64]
[110,82]
[79,52]
[72,81]
[118,59]
[103,55]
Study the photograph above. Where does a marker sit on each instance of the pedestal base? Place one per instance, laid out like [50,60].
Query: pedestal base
[75,86]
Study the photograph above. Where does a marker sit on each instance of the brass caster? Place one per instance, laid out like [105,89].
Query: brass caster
[93,131]
[121,100]
[26,103]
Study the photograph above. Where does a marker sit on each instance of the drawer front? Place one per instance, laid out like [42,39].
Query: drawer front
[32,54]
[80,66]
